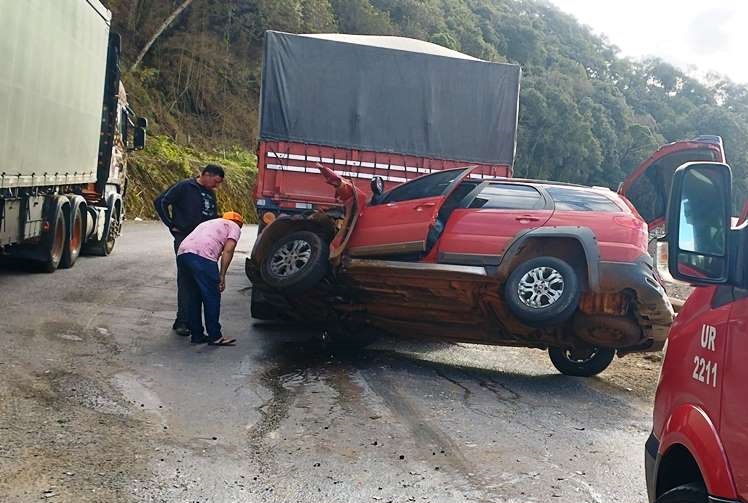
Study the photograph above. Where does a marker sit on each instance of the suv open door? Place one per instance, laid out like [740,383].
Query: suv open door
[648,187]
[400,221]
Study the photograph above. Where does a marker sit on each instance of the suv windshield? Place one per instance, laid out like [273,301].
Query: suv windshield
[427,186]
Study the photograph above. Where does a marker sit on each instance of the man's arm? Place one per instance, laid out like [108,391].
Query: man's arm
[226,257]
[164,201]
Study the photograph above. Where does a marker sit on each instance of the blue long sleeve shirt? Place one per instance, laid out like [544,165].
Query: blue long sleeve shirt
[185,205]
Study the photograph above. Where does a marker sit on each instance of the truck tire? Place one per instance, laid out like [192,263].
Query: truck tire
[543,291]
[688,493]
[55,245]
[296,262]
[106,245]
[577,364]
[75,236]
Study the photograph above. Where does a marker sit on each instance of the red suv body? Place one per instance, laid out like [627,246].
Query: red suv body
[698,448]
[457,256]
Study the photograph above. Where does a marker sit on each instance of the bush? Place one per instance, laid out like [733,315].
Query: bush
[163,163]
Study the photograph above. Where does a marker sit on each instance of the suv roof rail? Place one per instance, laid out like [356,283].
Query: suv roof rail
[536,181]
[709,138]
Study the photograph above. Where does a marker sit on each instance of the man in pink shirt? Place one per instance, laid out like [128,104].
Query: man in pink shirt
[197,267]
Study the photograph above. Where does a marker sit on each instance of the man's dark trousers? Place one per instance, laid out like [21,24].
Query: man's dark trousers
[200,279]
[181,293]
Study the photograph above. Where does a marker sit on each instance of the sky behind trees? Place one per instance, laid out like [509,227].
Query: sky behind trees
[698,37]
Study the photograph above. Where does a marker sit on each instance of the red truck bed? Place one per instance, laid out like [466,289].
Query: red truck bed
[368,106]
[287,174]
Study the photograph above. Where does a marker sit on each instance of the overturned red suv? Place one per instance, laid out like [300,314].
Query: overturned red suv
[455,256]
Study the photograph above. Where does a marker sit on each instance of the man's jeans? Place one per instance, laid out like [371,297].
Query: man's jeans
[181,294]
[200,279]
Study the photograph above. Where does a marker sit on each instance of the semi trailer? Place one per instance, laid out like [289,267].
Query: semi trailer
[66,130]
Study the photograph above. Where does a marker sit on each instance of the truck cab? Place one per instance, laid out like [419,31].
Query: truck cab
[697,450]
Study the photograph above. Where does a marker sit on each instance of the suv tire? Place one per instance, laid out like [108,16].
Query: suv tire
[586,365]
[296,262]
[542,291]
[688,493]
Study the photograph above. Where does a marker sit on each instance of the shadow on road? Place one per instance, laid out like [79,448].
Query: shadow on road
[296,350]
[16,267]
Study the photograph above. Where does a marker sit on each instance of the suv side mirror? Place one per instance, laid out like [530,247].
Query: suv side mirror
[377,185]
[698,222]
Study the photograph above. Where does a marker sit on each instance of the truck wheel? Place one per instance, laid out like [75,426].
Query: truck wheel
[74,241]
[296,262]
[581,363]
[688,493]
[106,245]
[543,291]
[56,244]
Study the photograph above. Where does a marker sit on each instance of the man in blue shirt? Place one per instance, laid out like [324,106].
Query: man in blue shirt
[182,207]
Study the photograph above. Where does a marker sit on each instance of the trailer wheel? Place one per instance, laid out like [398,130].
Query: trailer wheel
[56,242]
[296,262]
[74,242]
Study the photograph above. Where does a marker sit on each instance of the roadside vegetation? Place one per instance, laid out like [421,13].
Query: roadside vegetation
[164,162]
[586,114]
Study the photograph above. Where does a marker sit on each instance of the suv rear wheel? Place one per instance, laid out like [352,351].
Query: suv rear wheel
[296,262]
[687,493]
[543,291]
[581,362]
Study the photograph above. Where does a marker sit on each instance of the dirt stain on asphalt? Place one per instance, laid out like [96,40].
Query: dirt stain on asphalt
[87,444]
[284,379]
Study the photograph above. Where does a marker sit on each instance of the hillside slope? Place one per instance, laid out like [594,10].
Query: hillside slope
[586,114]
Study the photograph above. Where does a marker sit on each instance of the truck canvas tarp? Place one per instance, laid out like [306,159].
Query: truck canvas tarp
[388,94]
[51,90]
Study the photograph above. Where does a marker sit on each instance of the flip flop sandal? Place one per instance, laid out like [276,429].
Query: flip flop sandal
[222,342]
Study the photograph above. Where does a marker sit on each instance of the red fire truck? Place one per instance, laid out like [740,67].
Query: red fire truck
[697,450]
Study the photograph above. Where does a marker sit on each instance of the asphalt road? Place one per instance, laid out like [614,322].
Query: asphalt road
[100,401]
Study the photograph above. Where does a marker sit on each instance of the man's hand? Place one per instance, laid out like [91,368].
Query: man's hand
[226,256]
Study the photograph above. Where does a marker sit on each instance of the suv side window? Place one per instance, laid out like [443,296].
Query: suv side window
[571,199]
[504,196]
[427,186]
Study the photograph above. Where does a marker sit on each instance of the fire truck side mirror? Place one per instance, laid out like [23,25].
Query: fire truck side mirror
[699,220]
